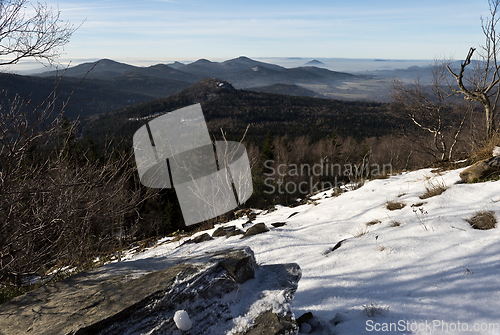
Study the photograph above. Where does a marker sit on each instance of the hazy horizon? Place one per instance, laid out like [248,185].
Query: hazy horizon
[335,64]
[160,31]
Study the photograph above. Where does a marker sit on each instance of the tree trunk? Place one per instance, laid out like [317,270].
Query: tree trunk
[490,122]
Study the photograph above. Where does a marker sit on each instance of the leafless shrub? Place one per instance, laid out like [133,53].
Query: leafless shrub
[483,220]
[54,208]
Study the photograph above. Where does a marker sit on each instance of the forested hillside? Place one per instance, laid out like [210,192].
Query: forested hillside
[264,113]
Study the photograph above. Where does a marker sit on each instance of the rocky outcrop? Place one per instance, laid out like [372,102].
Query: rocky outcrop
[127,297]
[481,170]
[227,231]
[258,228]
[202,238]
[270,323]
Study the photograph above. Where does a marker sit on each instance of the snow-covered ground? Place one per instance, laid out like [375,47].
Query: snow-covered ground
[432,274]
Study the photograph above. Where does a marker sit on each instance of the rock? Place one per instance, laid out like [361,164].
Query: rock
[278,224]
[251,216]
[246,224]
[227,231]
[245,211]
[239,263]
[305,328]
[198,239]
[235,232]
[79,303]
[335,247]
[310,324]
[474,172]
[202,238]
[222,231]
[293,214]
[270,210]
[241,212]
[126,297]
[494,162]
[256,229]
[304,318]
[481,169]
[272,324]
[339,318]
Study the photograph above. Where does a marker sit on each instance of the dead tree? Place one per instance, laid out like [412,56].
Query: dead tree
[430,107]
[480,84]
[56,210]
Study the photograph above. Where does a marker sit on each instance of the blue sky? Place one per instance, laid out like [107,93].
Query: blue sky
[153,31]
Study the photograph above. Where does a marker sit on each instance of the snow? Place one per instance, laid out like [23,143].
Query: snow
[496,151]
[182,321]
[432,274]
[305,328]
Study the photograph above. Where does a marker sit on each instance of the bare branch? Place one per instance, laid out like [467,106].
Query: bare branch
[41,35]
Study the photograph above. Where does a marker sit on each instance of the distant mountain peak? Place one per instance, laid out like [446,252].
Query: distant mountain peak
[176,65]
[315,62]
[202,61]
[245,58]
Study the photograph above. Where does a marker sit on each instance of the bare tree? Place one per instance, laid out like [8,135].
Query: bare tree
[431,106]
[38,34]
[481,83]
[56,206]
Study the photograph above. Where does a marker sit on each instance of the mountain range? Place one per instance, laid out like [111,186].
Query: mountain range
[106,85]
[241,72]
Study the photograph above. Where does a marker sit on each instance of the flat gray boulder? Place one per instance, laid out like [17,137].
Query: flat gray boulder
[216,290]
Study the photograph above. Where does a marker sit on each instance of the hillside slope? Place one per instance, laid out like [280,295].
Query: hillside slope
[421,265]
[277,114]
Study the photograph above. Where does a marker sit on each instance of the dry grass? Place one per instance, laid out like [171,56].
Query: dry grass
[372,223]
[373,309]
[433,189]
[381,248]
[394,205]
[483,220]
[395,223]
[485,151]
[359,232]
